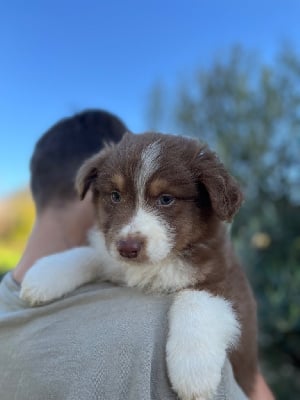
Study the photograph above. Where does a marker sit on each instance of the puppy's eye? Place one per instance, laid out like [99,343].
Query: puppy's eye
[165,200]
[115,196]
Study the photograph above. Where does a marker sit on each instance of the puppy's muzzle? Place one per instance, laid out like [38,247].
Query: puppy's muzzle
[130,247]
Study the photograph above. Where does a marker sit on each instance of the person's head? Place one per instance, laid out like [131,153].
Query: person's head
[62,149]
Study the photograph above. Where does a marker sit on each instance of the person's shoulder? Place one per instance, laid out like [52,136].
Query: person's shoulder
[104,299]
[9,294]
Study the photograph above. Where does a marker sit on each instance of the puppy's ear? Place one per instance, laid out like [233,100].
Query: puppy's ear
[88,172]
[224,192]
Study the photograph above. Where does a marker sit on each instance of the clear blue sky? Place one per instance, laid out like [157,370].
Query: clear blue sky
[61,56]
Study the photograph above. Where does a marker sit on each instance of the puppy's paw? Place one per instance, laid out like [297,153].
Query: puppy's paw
[202,327]
[42,282]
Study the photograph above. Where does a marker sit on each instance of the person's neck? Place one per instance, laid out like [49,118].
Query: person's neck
[54,231]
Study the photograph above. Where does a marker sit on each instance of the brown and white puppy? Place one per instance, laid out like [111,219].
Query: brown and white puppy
[162,203]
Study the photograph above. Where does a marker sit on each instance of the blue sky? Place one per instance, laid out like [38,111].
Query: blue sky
[60,56]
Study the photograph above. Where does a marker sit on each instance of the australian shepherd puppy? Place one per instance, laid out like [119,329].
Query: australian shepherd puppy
[163,204]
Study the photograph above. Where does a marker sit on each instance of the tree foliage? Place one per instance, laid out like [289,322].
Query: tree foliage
[16,220]
[249,112]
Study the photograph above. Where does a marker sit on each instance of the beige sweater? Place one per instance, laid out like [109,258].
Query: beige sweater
[100,342]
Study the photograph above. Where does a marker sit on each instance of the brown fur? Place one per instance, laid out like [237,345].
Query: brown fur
[206,195]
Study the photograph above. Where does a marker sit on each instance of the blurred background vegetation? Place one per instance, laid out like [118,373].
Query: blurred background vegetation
[16,220]
[249,112]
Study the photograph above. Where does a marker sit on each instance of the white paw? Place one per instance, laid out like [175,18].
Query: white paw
[41,283]
[202,328]
[53,276]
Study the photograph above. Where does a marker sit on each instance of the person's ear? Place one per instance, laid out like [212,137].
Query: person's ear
[224,192]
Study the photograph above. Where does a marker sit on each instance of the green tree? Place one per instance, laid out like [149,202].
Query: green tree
[249,112]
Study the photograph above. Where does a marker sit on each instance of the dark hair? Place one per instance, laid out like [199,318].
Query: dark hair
[63,148]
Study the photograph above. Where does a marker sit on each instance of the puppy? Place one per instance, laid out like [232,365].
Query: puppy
[162,205]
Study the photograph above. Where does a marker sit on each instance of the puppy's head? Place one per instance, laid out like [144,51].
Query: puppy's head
[158,195]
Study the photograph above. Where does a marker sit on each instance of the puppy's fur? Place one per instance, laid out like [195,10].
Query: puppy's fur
[162,205]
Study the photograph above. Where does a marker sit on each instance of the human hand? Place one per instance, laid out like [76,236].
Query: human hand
[261,390]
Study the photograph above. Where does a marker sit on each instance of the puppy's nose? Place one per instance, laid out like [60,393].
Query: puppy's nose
[129,248]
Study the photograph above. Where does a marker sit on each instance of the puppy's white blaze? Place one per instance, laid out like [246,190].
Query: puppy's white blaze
[202,328]
[158,234]
[149,164]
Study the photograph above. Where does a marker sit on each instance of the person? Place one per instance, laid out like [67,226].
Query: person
[101,341]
